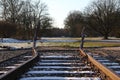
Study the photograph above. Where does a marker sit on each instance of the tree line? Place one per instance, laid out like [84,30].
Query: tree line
[22,17]
[100,18]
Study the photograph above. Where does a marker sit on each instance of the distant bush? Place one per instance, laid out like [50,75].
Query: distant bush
[7,29]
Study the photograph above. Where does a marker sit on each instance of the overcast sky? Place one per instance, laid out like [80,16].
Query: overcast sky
[59,9]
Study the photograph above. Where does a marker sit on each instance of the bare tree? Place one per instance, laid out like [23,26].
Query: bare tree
[11,9]
[28,14]
[102,16]
[46,24]
[3,5]
[74,23]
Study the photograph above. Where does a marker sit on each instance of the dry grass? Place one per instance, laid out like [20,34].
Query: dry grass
[77,44]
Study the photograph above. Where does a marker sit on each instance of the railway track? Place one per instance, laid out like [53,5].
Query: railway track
[106,62]
[14,62]
[63,65]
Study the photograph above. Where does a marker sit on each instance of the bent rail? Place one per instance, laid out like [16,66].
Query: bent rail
[110,75]
[14,73]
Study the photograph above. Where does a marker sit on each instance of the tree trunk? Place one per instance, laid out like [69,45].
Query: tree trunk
[106,36]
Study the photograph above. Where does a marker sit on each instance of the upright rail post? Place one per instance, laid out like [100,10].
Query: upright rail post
[82,38]
[35,34]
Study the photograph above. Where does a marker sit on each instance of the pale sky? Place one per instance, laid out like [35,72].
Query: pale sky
[59,9]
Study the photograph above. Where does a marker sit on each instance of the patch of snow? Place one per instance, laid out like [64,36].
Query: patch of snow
[61,78]
[12,44]
[49,40]
[11,40]
[60,72]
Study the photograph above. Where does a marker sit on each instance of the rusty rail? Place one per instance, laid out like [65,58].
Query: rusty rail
[109,74]
[14,73]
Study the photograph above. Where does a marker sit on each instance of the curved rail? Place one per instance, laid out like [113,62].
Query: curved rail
[14,73]
[109,74]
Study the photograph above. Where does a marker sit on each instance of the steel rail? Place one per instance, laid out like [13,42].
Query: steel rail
[109,74]
[16,72]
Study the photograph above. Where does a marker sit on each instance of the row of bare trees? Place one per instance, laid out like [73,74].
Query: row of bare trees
[27,15]
[102,17]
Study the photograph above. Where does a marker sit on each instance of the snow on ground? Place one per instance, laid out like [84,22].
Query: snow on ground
[14,43]
[17,45]
[11,40]
[109,41]
[55,40]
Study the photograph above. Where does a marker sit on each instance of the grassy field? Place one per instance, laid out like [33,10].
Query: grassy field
[90,42]
[87,38]
[77,44]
